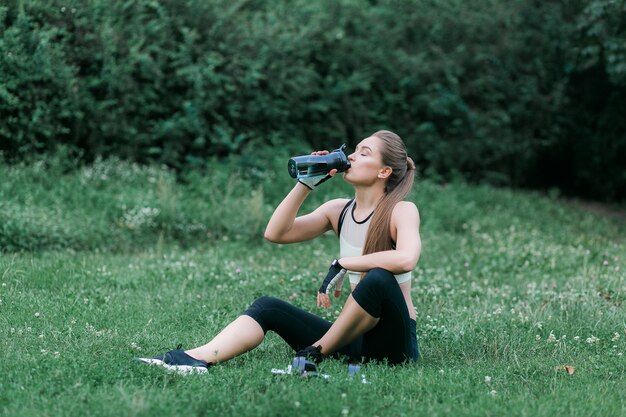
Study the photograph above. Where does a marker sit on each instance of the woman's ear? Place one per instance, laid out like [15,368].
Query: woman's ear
[385,172]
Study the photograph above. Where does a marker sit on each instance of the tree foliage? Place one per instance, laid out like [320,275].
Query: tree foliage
[520,93]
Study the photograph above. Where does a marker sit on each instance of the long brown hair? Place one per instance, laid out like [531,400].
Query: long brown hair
[397,188]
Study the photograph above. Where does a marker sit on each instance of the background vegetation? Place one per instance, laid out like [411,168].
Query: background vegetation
[519,93]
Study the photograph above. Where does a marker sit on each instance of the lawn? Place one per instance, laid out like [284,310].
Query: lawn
[519,299]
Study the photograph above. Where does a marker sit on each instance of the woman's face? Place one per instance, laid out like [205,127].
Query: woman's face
[366,162]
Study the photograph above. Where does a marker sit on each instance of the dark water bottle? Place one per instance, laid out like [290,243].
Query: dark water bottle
[306,166]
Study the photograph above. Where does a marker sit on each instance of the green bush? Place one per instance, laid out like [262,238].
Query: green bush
[514,93]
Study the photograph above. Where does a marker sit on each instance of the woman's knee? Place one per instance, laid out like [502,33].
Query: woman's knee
[378,277]
[373,289]
[258,309]
[264,301]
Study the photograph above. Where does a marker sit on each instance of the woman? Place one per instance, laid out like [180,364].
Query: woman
[379,247]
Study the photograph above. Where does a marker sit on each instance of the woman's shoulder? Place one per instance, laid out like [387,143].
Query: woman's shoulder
[405,205]
[332,210]
[405,208]
[335,205]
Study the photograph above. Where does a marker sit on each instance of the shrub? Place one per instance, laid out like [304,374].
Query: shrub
[500,92]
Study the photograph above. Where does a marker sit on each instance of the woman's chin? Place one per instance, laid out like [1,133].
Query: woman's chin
[346,176]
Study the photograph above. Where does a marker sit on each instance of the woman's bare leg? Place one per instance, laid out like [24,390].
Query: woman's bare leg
[238,337]
[353,321]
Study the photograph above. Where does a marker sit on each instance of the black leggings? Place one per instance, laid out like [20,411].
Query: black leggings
[392,339]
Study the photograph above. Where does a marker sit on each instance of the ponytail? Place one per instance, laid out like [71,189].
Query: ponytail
[398,186]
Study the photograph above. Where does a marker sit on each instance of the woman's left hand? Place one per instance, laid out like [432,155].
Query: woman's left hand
[323,300]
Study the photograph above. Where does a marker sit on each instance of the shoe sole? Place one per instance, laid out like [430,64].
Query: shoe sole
[181,369]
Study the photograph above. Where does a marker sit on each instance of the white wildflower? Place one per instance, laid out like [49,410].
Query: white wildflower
[140,216]
[615,337]
[487,379]
[591,340]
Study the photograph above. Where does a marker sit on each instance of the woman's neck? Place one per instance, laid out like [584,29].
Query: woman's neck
[368,198]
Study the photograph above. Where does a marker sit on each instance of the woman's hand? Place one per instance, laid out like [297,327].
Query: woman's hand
[334,280]
[323,300]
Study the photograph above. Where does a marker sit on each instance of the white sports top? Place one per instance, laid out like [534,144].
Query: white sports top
[352,236]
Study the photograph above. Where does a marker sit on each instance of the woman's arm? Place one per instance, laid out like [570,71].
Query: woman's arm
[405,221]
[285,227]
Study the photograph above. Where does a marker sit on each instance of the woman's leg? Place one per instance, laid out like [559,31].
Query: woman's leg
[353,321]
[238,337]
[296,326]
[376,310]
[393,339]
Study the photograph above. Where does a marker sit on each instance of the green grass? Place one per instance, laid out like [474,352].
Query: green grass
[511,286]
